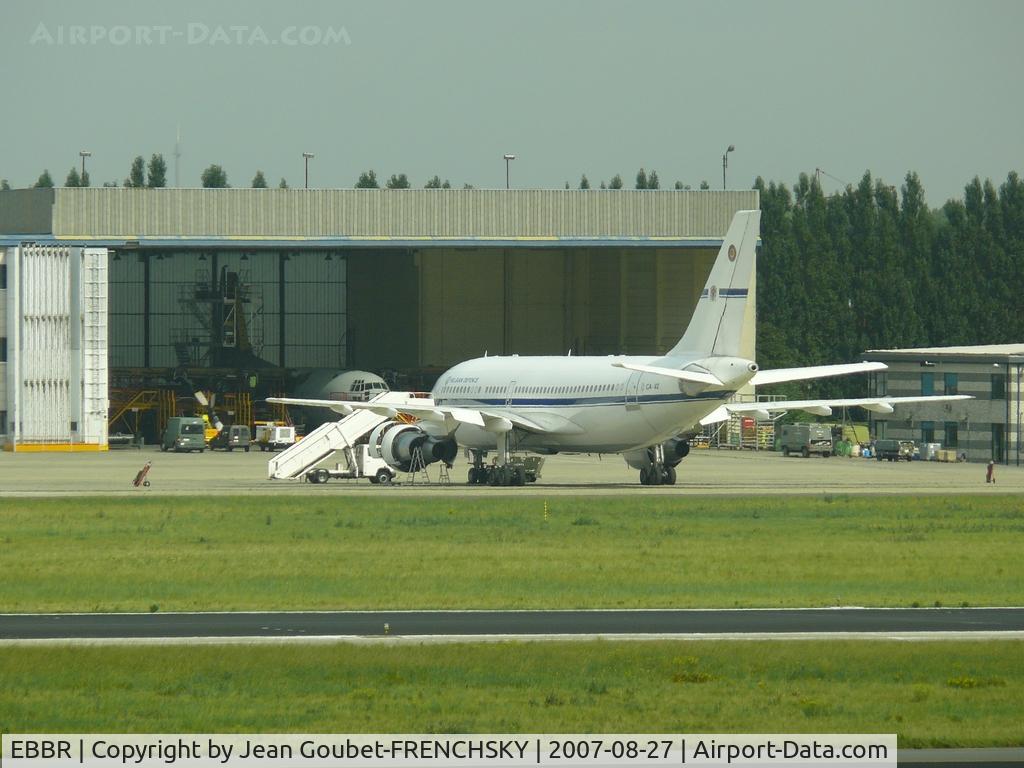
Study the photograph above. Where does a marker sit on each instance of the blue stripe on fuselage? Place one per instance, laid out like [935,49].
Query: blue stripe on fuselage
[582,401]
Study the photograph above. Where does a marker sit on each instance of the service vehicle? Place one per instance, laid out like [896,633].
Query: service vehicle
[806,439]
[894,450]
[184,434]
[358,463]
[274,437]
[231,437]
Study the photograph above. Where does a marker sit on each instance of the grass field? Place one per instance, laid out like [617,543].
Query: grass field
[177,553]
[930,694]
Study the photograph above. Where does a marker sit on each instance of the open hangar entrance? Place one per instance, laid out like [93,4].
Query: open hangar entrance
[239,289]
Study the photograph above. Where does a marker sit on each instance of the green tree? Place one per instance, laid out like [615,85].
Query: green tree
[44,180]
[584,182]
[282,184]
[367,180]
[704,184]
[433,183]
[137,173]
[156,172]
[84,181]
[73,179]
[214,177]
[401,181]
[652,181]
[4,185]
[259,181]
[680,185]
[641,179]
[616,182]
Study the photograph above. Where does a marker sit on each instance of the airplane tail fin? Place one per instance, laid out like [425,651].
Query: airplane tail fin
[717,323]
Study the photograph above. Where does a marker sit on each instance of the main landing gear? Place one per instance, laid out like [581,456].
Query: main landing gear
[658,472]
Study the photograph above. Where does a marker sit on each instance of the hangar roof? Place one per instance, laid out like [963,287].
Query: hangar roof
[366,217]
[976,353]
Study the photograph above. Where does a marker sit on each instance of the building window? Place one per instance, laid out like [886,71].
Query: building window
[998,439]
[927,432]
[3,349]
[3,422]
[3,275]
[881,383]
[952,434]
[998,386]
[951,381]
[880,429]
[928,383]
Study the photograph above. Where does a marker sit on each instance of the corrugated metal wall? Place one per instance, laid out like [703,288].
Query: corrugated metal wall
[451,213]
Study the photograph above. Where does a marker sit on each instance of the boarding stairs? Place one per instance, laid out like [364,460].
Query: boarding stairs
[333,436]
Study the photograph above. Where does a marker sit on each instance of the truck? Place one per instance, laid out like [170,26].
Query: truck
[358,463]
[806,439]
[894,450]
[274,437]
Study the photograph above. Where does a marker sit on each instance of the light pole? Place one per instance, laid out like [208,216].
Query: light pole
[725,162]
[508,159]
[84,153]
[307,156]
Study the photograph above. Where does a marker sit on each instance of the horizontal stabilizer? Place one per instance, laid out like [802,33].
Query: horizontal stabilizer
[780,375]
[691,376]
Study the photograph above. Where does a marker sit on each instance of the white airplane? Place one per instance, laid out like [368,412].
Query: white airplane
[643,407]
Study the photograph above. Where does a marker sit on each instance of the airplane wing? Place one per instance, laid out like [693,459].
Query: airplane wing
[491,419]
[780,375]
[823,407]
[692,376]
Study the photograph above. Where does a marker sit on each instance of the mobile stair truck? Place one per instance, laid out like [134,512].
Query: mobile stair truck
[348,437]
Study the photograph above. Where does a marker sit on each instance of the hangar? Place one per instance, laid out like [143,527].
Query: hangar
[240,288]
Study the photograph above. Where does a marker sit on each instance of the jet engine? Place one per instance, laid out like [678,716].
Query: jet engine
[396,442]
[675,449]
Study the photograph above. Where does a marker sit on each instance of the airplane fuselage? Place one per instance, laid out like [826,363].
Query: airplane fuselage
[586,404]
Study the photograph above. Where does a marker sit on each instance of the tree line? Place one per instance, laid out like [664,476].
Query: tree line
[872,267]
[215,177]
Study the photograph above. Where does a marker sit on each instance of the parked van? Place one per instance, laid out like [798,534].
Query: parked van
[231,437]
[806,439]
[184,433]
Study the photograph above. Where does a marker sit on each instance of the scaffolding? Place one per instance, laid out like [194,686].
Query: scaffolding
[220,315]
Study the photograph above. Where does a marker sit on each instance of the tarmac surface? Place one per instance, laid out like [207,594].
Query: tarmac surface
[910,623]
[708,471]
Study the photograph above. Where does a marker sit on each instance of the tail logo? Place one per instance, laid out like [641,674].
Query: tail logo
[732,253]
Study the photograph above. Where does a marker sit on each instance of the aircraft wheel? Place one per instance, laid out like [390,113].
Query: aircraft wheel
[520,476]
[643,477]
[475,476]
[670,476]
[146,483]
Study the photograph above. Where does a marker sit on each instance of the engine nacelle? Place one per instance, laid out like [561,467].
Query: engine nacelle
[675,449]
[396,442]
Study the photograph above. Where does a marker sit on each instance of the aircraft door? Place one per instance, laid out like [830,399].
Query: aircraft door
[508,394]
[633,390]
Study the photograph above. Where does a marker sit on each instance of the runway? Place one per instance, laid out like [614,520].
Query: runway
[933,623]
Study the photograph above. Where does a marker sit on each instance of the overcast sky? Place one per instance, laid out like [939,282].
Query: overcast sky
[570,87]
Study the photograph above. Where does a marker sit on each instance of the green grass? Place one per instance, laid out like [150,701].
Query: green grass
[177,553]
[931,694]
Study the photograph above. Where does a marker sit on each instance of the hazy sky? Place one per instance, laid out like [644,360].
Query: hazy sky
[569,86]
